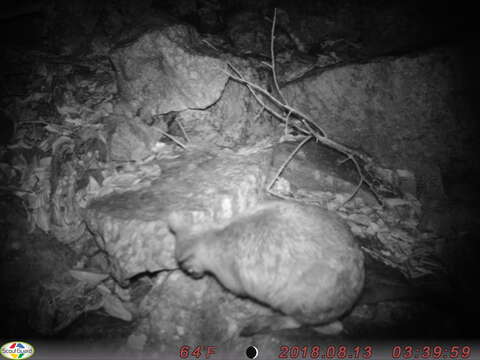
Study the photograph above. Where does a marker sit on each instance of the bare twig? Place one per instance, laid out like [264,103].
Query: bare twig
[210,44]
[281,196]
[290,157]
[182,128]
[362,181]
[272,51]
[259,114]
[172,138]
[286,122]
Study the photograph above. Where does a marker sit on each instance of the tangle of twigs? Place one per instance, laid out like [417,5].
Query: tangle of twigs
[300,122]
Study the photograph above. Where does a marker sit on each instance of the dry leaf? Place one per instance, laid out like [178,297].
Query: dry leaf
[114,307]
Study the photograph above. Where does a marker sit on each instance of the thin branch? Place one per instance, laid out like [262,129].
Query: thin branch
[357,188]
[281,196]
[172,138]
[272,51]
[210,44]
[290,157]
[286,123]
[363,180]
[259,114]
[182,128]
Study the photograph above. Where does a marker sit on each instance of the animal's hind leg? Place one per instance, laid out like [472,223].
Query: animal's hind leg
[268,323]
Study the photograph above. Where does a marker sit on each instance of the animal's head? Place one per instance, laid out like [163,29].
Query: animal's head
[188,247]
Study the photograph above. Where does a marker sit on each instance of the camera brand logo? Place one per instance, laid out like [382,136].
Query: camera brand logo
[17,350]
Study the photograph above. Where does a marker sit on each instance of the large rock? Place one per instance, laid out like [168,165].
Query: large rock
[233,120]
[186,311]
[132,229]
[166,69]
[130,139]
[131,226]
[406,111]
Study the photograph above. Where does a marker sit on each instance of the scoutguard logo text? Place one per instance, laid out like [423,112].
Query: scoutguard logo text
[17,350]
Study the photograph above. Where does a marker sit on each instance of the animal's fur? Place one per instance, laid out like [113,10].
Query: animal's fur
[298,259]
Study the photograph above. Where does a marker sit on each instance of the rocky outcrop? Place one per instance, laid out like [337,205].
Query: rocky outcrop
[405,111]
[167,69]
[131,226]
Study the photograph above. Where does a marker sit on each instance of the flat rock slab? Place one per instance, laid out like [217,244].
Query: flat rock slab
[207,188]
